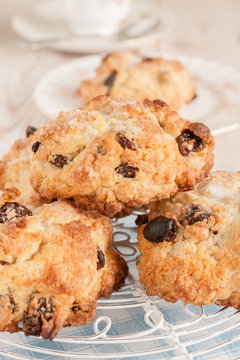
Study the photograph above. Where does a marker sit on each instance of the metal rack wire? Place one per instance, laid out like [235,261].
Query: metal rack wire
[131,324]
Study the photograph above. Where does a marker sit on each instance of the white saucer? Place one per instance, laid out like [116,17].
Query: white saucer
[218,91]
[44,22]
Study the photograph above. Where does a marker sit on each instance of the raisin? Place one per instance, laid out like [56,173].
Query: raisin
[30,130]
[11,210]
[2,262]
[195,213]
[160,229]
[141,219]
[101,259]
[35,146]
[59,160]
[109,81]
[189,142]
[147,59]
[125,142]
[39,309]
[126,170]
[76,307]
[14,305]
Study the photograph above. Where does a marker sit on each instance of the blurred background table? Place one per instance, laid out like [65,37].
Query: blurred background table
[206,28]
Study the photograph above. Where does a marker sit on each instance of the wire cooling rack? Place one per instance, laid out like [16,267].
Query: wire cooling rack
[133,325]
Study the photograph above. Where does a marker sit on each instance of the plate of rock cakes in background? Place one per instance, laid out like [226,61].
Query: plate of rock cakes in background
[215,101]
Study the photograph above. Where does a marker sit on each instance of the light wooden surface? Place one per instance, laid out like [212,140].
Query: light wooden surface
[206,28]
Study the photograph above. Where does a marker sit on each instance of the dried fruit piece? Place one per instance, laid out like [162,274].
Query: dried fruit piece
[194,138]
[125,142]
[11,210]
[160,229]
[101,259]
[195,213]
[126,170]
[30,130]
[147,59]
[35,146]
[2,262]
[76,307]
[109,81]
[189,142]
[40,309]
[14,305]
[60,160]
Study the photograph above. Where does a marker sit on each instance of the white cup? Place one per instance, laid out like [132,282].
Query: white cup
[87,17]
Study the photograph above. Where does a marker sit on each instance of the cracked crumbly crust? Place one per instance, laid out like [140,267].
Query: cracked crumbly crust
[115,155]
[15,174]
[54,265]
[201,266]
[133,76]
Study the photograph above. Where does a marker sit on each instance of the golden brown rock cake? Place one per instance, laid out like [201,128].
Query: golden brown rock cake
[55,262]
[190,244]
[117,154]
[133,76]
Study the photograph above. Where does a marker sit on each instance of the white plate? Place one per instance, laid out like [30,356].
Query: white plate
[218,91]
[44,22]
